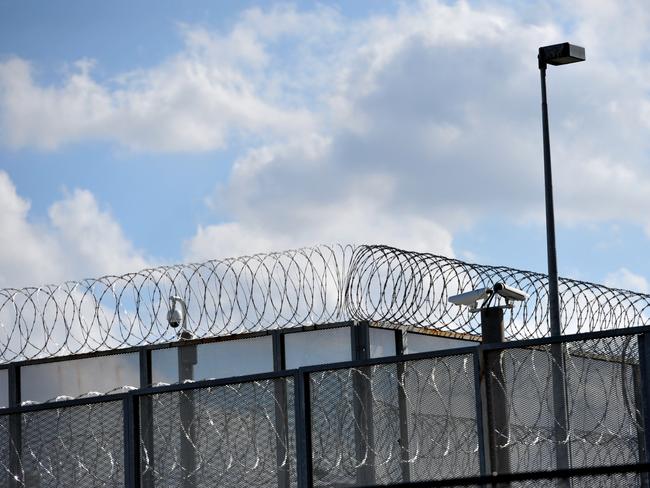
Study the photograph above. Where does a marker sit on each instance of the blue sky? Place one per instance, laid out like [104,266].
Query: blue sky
[139,133]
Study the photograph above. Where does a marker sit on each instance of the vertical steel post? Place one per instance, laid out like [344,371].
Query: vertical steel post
[551,253]
[16,473]
[644,380]
[402,407]
[146,422]
[496,401]
[362,406]
[560,410]
[562,458]
[186,360]
[302,404]
[281,417]
[131,415]
[637,379]
[481,412]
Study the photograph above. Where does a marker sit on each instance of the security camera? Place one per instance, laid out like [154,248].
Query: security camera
[175,318]
[470,298]
[177,314]
[509,293]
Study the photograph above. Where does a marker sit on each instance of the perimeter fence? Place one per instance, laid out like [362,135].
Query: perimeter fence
[448,417]
[281,290]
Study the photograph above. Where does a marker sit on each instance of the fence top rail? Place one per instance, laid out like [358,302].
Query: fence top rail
[282,290]
[586,336]
[145,391]
[57,404]
[362,363]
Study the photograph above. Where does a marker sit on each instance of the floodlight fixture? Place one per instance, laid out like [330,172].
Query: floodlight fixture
[558,54]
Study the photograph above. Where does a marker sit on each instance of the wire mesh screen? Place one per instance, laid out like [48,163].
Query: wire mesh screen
[618,480]
[394,422]
[614,480]
[81,446]
[239,435]
[603,406]
[6,446]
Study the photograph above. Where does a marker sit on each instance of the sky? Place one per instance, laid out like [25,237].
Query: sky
[134,134]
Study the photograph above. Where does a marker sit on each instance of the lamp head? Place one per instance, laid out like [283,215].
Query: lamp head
[558,54]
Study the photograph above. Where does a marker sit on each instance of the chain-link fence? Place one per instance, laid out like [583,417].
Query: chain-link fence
[393,422]
[426,417]
[236,435]
[79,445]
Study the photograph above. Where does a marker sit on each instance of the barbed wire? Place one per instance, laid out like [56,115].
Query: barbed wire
[307,286]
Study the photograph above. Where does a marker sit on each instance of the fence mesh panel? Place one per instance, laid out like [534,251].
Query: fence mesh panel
[603,404]
[359,436]
[81,446]
[397,421]
[237,435]
[6,446]
[616,480]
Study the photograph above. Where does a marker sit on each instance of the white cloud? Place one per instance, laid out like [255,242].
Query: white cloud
[28,253]
[195,101]
[93,236]
[277,209]
[358,225]
[432,123]
[399,128]
[79,240]
[626,279]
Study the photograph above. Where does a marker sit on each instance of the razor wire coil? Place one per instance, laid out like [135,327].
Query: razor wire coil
[301,287]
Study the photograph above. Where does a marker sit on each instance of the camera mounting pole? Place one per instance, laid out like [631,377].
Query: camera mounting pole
[493,381]
[187,359]
[494,392]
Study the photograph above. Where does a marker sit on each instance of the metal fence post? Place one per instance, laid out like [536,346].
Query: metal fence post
[638,418]
[302,403]
[402,407]
[481,411]
[362,406]
[562,454]
[495,395]
[644,380]
[186,360]
[131,441]
[16,474]
[146,422]
[281,417]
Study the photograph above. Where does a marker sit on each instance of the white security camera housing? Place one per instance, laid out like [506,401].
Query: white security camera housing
[175,317]
[470,298]
[510,293]
[177,314]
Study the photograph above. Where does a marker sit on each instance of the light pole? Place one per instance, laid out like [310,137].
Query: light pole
[555,55]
